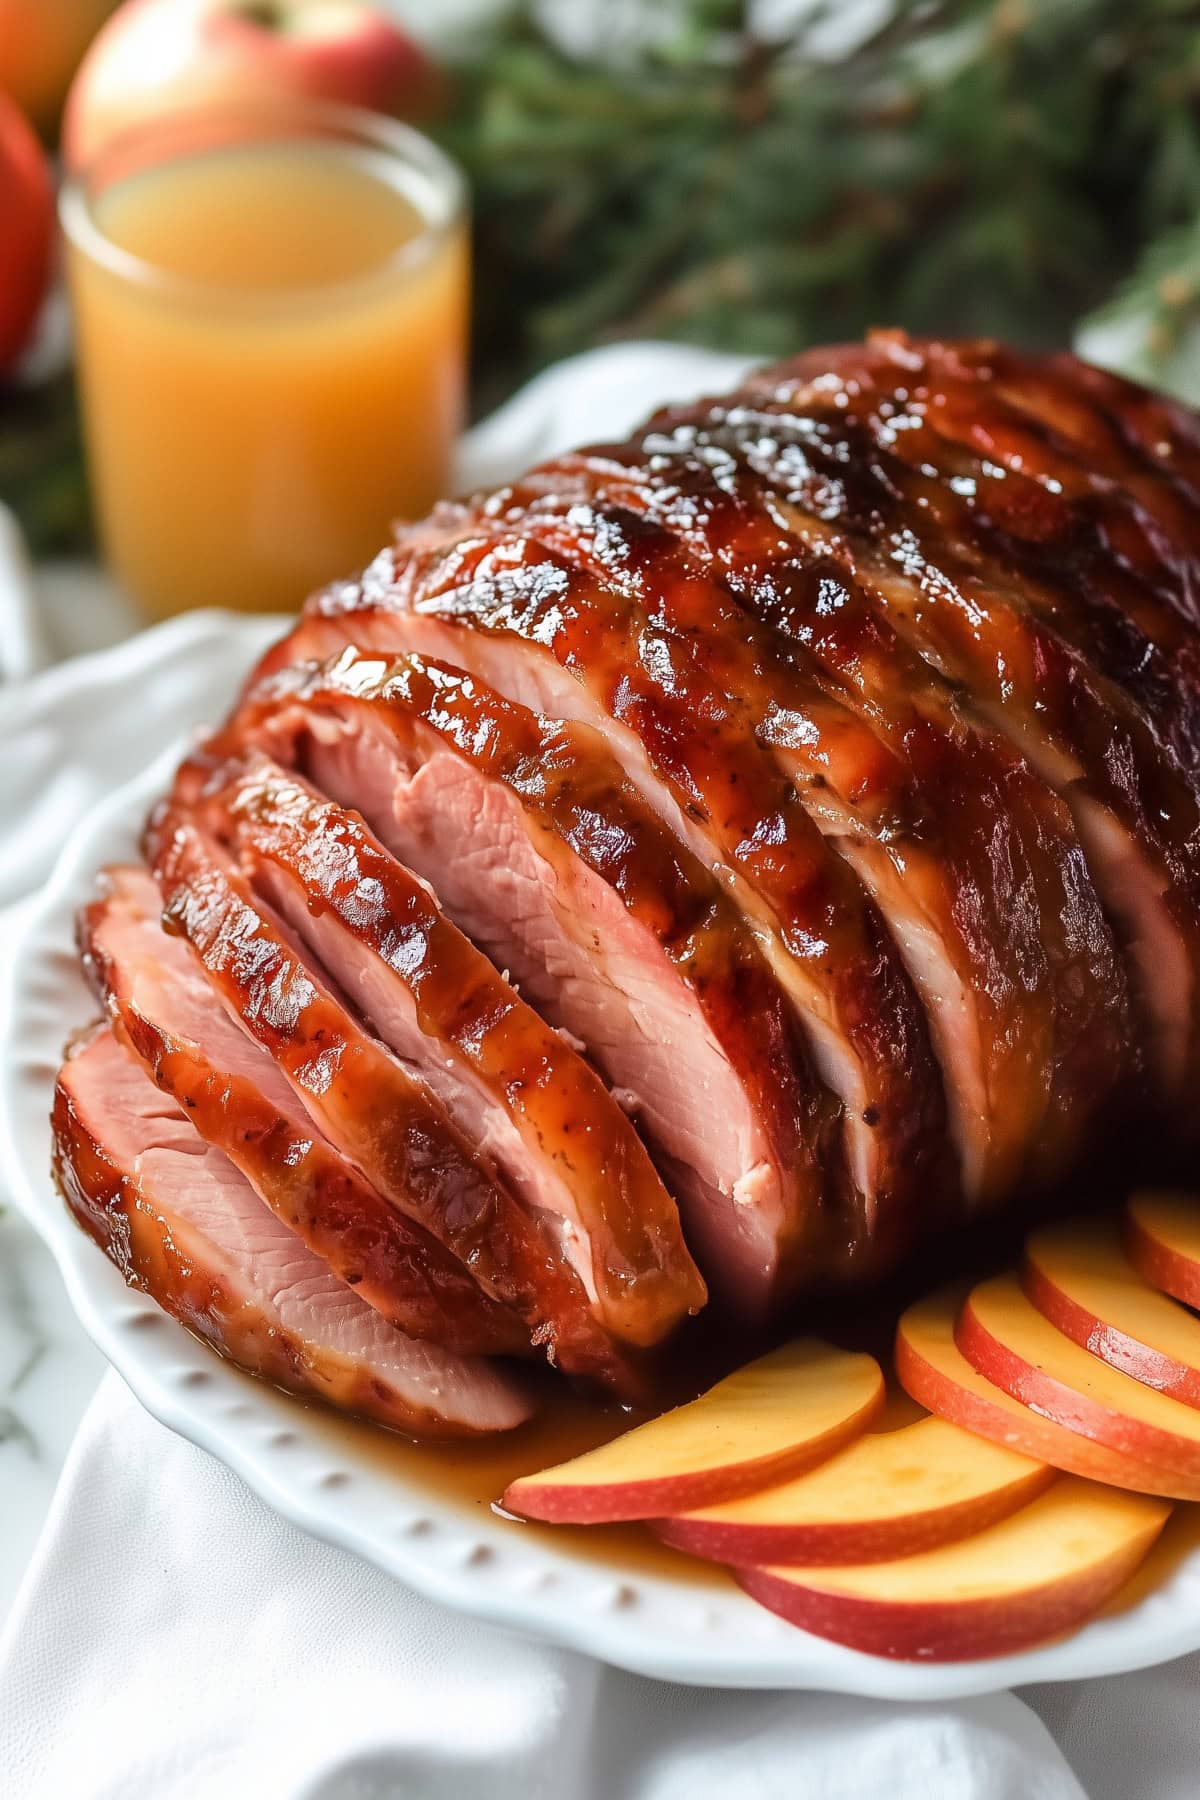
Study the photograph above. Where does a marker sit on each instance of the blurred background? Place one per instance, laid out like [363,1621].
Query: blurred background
[749,177]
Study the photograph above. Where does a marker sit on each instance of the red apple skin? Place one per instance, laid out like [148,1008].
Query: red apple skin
[626,1502]
[154,57]
[629,1502]
[963,1632]
[1154,1368]
[774,1417]
[828,1544]
[1177,1459]
[1161,1266]
[1030,1433]
[26,230]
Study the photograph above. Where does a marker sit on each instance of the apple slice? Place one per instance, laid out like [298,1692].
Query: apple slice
[890,1494]
[784,1412]
[1011,1344]
[931,1367]
[1078,1277]
[1162,1238]
[1044,1570]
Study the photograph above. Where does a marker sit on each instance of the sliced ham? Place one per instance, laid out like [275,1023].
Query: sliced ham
[184,1225]
[586,1192]
[383,1125]
[239,1100]
[546,634]
[773,839]
[995,556]
[545,856]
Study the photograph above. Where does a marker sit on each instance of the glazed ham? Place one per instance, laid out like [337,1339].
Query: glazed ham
[240,1101]
[745,851]
[179,1221]
[544,854]
[578,1228]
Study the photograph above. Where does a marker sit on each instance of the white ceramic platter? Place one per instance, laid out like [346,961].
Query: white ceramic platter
[322,1478]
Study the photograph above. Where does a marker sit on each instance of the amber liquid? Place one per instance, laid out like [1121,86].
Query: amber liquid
[469,1476]
[277,379]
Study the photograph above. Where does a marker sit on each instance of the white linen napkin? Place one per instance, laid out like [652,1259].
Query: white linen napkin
[175,1639]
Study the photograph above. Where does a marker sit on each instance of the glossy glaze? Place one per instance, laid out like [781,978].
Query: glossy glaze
[373,1118]
[179,1223]
[466,1010]
[577,801]
[514,612]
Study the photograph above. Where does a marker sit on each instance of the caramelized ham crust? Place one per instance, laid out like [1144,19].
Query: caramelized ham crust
[551,636]
[819,768]
[180,1222]
[239,1100]
[545,856]
[1031,538]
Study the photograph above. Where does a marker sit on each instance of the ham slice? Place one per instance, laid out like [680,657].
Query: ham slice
[239,1100]
[585,1197]
[182,1224]
[546,857]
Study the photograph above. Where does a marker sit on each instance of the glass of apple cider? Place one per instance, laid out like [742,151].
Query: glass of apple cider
[270,308]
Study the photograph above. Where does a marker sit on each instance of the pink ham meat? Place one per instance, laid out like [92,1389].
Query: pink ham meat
[480,590]
[240,1101]
[543,854]
[956,841]
[585,1188]
[376,1113]
[182,1224]
[773,838]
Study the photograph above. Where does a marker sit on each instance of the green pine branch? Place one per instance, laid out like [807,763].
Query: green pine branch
[1003,167]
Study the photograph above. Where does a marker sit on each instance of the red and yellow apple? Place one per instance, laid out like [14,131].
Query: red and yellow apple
[1009,1342]
[41,44]
[156,56]
[891,1493]
[1078,1278]
[1162,1240]
[931,1367]
[784,1412]
[26,230]
[1043,1570]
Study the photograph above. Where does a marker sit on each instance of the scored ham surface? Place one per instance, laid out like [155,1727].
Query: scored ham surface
[543,853]
[572,1188]
[552,636]
[808,786]
[239,1100]
[180,1221]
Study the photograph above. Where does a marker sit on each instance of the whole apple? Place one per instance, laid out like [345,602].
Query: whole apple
[156,56]
[26,230]
[41,45]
